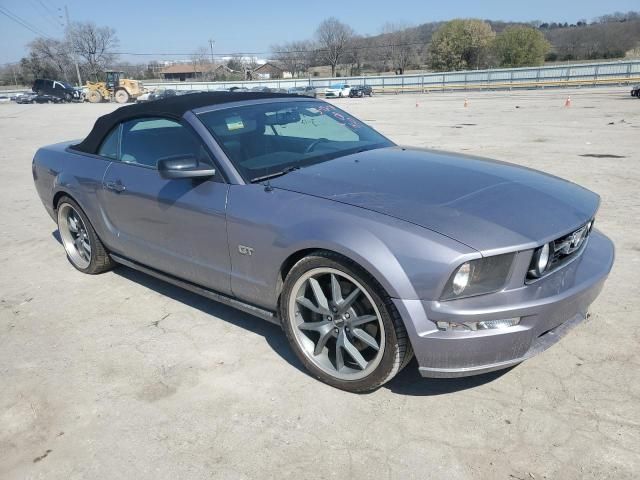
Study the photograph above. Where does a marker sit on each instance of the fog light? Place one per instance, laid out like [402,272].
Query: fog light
[503,323]
[484,325]
[446,326]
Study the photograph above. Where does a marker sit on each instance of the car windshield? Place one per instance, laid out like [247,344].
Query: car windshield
[263,140]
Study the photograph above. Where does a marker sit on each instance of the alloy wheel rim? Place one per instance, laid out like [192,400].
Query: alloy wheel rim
[336,323]
[75,237]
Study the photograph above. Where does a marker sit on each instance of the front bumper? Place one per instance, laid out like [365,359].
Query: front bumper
[548,309]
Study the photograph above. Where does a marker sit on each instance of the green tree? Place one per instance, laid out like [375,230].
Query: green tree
[460,45]
[521,47]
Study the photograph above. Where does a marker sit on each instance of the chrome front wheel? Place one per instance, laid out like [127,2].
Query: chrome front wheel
[337,323]
[341,324]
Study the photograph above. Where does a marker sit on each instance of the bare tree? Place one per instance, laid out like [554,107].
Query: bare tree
[200,62]
[53,52]
[400,46]
[32,67]
[236,63]
[94,45]
[295,57]
[333,38]
[358,51]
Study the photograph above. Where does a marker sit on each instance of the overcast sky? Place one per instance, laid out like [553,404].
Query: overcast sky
[181,26]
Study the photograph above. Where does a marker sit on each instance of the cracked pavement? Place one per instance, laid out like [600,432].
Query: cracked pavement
[123,376]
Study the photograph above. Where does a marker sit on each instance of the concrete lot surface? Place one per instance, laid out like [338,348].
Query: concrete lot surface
[122,376]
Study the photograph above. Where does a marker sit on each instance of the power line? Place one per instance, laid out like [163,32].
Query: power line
[47,8]
[22,22]
[269,52]
[48,15]
[260,53]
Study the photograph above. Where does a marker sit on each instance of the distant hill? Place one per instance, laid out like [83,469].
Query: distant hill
[610,36]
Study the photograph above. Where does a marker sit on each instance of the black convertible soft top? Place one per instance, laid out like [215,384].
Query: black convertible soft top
[171,107]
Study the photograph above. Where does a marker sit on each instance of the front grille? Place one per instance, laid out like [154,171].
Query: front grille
[566,248]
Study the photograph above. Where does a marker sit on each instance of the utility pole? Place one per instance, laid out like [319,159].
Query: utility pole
[211,72]
[211,42]
[75,59]
[15,79]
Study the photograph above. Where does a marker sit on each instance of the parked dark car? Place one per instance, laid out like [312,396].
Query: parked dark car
[366,253]
[36,98]
[361,91]
[161,93]
[56,88]
[28,97]
[635,91]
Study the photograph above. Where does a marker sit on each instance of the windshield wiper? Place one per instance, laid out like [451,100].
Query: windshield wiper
[279,173]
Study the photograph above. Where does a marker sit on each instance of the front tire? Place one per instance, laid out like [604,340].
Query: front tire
[122,96]
[341,324]
[94,96]
[84,249]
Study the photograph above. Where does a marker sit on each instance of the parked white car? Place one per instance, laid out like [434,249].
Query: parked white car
[144,97]
[338,90]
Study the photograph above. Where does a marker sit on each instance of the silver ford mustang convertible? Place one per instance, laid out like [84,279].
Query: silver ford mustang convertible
[366,253]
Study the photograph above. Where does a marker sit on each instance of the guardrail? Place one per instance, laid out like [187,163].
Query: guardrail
[605,73]
[575,75]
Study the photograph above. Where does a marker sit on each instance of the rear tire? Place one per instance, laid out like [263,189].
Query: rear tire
[85,250]
[354,344]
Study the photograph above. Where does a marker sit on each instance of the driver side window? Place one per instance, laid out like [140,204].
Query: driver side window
[145,141]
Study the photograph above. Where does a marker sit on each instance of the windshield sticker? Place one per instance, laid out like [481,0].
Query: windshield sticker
[234,123]
[346,120]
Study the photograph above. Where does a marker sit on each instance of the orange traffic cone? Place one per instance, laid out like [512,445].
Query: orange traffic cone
[466,102]
[567,103]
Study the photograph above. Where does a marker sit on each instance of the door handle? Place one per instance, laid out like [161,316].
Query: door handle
[115,186]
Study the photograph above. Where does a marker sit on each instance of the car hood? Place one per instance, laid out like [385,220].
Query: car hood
[485,204]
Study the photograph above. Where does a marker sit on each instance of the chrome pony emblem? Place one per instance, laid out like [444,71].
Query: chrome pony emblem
[572,242]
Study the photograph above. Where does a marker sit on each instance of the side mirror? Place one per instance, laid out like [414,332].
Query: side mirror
[183,166]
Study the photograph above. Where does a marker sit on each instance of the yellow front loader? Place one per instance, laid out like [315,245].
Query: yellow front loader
[122,90]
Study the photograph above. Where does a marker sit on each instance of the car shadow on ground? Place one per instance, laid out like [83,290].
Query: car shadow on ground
[407,382]
[272,333]
[410,382]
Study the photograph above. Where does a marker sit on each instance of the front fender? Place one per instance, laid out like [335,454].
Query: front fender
[410,262]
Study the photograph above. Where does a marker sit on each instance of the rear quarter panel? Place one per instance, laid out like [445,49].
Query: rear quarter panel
[58,170]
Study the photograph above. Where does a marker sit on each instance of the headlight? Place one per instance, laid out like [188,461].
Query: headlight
[461,279]
[477,277]
[540,261]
